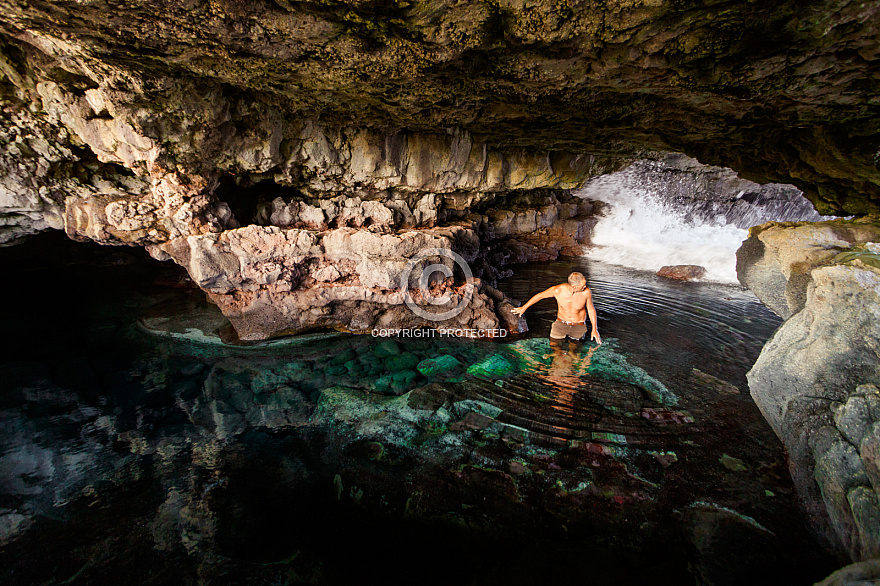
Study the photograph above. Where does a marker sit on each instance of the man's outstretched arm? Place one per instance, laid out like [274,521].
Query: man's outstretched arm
[594,320]
[547,294]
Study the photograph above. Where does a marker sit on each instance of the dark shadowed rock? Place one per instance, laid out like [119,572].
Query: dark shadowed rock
[858,574]
[730,548]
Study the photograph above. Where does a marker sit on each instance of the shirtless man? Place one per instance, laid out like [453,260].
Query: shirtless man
[574,302]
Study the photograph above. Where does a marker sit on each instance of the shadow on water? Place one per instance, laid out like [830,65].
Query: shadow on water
[137,447]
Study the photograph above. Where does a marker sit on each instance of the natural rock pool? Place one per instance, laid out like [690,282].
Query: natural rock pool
[136,447]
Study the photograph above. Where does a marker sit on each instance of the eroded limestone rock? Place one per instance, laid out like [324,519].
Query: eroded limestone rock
[42,166]
[815,381]
[302,90]
[777,259]
[270,281]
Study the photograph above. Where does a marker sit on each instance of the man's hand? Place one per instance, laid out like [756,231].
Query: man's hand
[595,336]
[518,310]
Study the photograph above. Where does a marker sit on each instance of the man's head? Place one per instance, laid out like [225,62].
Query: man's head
[577,281]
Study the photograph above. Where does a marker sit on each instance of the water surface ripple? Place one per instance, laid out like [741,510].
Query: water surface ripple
[136,447]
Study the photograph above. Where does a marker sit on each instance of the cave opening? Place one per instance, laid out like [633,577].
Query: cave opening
[249,198]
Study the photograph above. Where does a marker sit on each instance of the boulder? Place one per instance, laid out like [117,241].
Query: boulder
[270,282]
[682,272]
[815,380]
[776,260]
[859,574]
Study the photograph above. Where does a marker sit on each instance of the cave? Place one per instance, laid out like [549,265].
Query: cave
[278,309]
[247,197]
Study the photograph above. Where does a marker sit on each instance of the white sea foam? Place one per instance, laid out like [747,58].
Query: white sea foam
[642,231]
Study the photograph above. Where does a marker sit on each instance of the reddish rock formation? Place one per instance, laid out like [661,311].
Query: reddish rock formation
[682,272]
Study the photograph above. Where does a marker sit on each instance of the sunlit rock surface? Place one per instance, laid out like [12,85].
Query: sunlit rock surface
[816,380]
[682,272]
[270,281]
[777,259]
[41,165]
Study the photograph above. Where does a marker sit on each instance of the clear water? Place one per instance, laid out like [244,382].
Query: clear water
[137,448]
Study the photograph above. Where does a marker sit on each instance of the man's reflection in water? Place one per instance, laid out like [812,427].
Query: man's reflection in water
[567,370]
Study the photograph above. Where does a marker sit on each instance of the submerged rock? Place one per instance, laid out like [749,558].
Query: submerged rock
[494,367]
[442,365]
[12,524]
[604,362]
[733,464]
[396,383]
[731,548]
[858,574]
[720,386]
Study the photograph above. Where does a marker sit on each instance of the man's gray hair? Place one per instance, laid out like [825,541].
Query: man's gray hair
[576,280]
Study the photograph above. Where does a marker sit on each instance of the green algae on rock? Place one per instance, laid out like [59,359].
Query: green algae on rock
[494,367]
[603,362]
[442,365]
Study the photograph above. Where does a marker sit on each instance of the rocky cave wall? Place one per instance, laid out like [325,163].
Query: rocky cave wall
[817,381]
[222,184]
[783,91]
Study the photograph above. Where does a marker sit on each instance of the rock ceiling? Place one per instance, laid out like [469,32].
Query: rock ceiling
[780,91]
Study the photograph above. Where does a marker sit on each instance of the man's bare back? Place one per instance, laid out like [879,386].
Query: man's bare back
[574,302]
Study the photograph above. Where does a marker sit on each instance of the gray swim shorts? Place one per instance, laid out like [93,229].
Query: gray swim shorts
[562,329]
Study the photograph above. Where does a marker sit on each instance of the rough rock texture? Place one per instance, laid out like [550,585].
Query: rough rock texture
[197,144]
[682,272]
[199,160]
[271,281]
[705,194]
[781,92]
[777,259]
[858,574]
[199,117]
[816,380]
[42,165]
[711,530]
